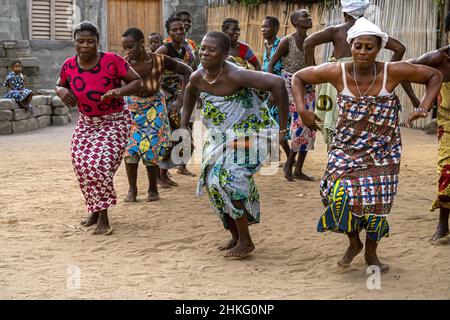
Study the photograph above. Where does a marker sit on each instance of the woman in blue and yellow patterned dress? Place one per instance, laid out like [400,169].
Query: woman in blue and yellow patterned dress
[240,131]
[149,138]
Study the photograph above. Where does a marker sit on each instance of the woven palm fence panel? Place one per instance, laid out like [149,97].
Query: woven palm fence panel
[413,22]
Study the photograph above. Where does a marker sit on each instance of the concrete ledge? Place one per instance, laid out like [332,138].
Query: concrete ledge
[6,115]
[60,120]
[8,104]
[57,102]
[22,44]
[14,119]
[5,127]
[26,62]
[19,126]
[20,114]
[32,124]
[9,44]
[47,92]
[44,121]
[60,111]
[39,100]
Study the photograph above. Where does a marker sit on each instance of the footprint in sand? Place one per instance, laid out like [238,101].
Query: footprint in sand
[150,250]
[9,221]
[98,249]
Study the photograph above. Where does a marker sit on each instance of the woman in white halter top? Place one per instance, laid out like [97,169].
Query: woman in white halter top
[361,177]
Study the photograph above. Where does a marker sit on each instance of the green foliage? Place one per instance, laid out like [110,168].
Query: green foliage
[253,3]
[250,3]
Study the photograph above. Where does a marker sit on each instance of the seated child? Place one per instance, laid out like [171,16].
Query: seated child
[14,82]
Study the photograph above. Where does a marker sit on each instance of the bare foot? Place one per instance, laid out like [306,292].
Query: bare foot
[228,245]
[153,196]
[288,172]
[302,176]
[92,219]
[352,252]
[186,172]
[170,182]
[240,250]
[103,228]
[374,261]
[131,196]
[441,232]
[163,184]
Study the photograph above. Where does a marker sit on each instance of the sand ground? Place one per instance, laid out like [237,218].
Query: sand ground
[167,249]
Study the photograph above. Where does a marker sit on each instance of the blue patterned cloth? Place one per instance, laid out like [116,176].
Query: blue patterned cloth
[273,109]
[18,92]
[277,67]
[149,137]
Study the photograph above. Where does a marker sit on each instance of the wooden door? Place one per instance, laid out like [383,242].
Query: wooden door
[123,14]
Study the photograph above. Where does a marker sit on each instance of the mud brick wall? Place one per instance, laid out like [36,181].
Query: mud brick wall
[48,110]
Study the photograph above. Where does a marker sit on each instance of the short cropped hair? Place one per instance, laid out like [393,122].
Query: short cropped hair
[273,21]
[86,26]
[183,13]
[226,23]
[171,19]
[294,15]
[155,34]
[224,40]
[135,33]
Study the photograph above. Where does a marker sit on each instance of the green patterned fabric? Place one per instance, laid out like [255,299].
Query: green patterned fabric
[240,130]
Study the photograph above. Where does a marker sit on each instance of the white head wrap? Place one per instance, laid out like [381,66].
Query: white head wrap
[364,27]
[355,8]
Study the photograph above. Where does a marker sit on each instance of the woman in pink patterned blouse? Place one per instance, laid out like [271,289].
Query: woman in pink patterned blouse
[93,80]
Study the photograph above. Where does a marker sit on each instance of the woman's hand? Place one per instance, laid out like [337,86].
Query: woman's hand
[309,119]
[414,116]
[176,106]
[113,93]
[67,96]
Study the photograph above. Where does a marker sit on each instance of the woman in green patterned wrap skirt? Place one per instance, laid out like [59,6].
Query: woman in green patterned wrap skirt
[240,132]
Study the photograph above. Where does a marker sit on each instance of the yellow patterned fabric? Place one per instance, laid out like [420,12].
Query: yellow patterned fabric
[241,62]
[443,122]
[149,136]
[339,218]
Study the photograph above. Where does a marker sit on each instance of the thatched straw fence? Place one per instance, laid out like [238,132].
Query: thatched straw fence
[413,22]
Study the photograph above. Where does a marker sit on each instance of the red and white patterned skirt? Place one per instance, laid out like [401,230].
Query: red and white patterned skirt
[97,147]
